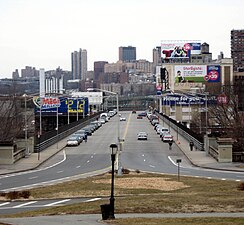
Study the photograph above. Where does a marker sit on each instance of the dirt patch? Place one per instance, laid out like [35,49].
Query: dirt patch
[157,183]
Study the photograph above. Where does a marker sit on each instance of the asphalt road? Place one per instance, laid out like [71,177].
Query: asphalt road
[93,158]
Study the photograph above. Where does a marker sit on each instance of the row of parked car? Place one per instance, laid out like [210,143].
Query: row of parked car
[82,135]
[162,131]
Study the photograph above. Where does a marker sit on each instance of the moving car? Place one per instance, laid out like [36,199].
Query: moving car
[122,119]
[72,141]
[142,114]
[167,138]
[134,111]
[142,136]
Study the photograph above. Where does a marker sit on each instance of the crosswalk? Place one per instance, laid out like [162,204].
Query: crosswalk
[42,203]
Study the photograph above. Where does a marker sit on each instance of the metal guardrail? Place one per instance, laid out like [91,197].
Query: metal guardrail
[53,140]
[173,125]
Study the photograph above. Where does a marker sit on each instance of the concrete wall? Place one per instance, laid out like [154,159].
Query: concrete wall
[6,154]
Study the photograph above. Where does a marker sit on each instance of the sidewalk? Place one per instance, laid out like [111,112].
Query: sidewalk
[197,158]
[200,158]
[33,160]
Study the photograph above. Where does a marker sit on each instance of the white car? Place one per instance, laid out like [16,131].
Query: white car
[122,119]
[142,136]
[73,141]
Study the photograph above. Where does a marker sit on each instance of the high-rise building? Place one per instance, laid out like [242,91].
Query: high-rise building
[79,64]
[98,69]
[29,72]
[237,49]
[156,58]
[127,54]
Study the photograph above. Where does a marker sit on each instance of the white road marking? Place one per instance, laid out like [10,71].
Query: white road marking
[92,200]
[33,171]
[31,178]
[24,204]
[61,171]
[56,203]
[152,166]
[78,167]
[5,203]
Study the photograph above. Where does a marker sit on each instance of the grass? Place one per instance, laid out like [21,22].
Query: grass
[178,221]
[195,195]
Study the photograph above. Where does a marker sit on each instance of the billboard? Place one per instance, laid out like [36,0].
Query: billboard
[197,73]
[179,49]
[64,105]
[177,99]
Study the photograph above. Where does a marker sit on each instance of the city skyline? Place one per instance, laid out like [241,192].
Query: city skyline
[43,34]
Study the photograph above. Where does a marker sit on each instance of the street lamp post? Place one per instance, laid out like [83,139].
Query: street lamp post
[114,149]
[206,109]
[26,135]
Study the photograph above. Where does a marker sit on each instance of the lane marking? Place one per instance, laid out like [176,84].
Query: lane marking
[61,171]
[152,166]
[24,204]
[78,167]
[31,178]
[58,202]
[37,170]
[49,182]
[5,203]
[127,127]
[93,199]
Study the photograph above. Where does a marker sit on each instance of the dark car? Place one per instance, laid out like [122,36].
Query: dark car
[142,114]
[134,111]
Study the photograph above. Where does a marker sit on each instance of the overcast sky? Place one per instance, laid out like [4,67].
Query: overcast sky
[43,33]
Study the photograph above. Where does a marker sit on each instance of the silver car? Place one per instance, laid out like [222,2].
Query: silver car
[142,136]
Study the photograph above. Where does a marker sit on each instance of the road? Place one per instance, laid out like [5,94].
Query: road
[93,158]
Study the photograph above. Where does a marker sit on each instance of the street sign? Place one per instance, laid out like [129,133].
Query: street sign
[222,99]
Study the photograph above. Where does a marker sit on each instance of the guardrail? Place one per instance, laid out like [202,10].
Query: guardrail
[173,125]
[40,146]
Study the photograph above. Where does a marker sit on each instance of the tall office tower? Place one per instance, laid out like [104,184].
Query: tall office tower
[98,69]
[237,49]
[79,64]
[127,54]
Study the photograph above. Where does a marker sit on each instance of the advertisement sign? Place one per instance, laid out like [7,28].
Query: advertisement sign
[190,73]
[213,73]
[64,105]
[179,49]
[174,99]
[197,73]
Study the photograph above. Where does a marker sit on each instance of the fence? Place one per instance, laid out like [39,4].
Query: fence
[183,131]
[54,136]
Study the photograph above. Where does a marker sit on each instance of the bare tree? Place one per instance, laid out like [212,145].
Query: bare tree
[11,118]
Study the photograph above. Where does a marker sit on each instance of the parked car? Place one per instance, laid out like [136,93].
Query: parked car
[79,136]
[139,117]
[142,136]
[73,141]
[163,130]
[83,133]
[167,138]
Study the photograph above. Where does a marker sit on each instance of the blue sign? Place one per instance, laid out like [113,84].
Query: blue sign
[187,100]
[213,73]
[64,105]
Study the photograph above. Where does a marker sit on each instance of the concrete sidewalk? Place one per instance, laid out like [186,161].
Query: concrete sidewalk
[197,158]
